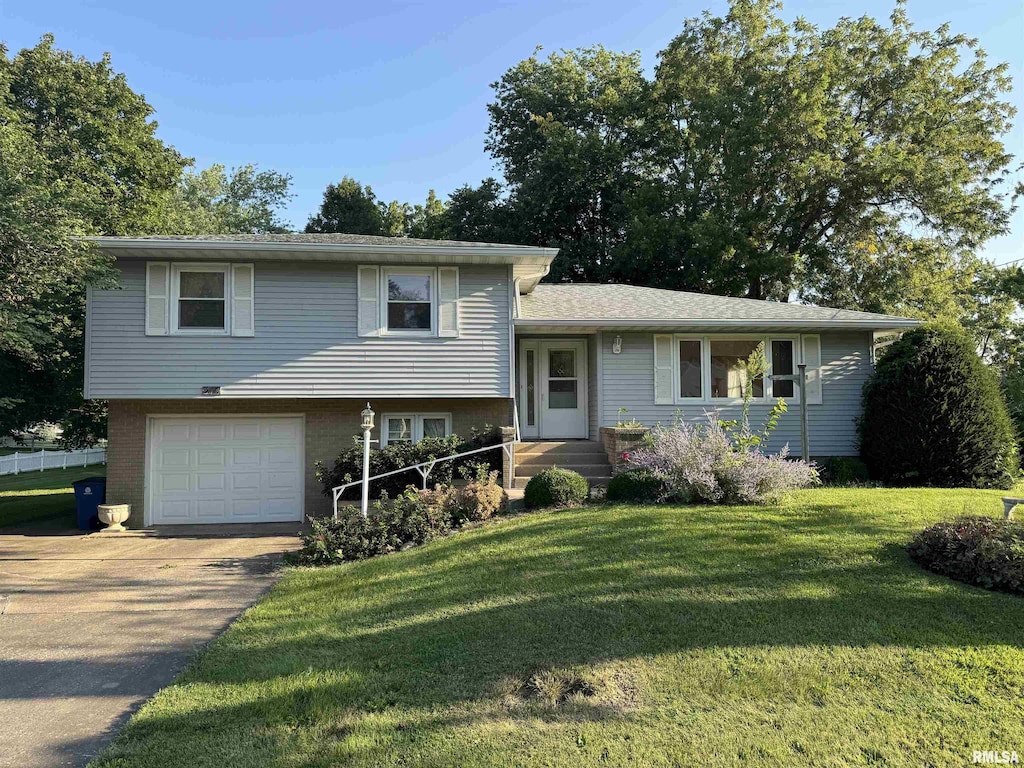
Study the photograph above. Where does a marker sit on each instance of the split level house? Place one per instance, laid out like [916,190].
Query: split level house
[233,363]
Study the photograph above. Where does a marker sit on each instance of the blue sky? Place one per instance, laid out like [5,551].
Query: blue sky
[394,94]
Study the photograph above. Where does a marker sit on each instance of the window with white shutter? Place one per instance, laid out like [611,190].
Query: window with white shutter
[158,297]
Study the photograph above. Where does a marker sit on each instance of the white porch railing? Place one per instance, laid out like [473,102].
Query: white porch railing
[16,463]
[426,467]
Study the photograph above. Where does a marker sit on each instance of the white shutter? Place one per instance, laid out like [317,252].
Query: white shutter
[158,298]
[663,376]
[448,301]
[812,359]
[243,319]
[369,299]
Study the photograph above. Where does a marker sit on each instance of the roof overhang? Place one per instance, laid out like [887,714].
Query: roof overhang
[527,261]
[587,326]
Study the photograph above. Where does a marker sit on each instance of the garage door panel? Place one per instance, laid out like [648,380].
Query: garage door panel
[171,482]
[249,430]
[245,481]
[210,457]
[210,481]
[211,432]
[245,456]
[173,432]
[231,469]
[174,457]
[211,509]
[174,511]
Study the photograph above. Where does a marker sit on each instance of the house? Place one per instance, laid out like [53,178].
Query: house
[232,363]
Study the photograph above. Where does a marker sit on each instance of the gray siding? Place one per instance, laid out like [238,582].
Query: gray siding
[305,344]
[627,380]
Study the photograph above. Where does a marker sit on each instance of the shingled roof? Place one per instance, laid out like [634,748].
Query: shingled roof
[339,238]
[597,305]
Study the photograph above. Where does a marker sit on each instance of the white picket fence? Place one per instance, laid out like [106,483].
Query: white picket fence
[16,463]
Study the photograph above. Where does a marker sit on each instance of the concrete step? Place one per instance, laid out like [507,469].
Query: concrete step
[559,459]
[560,448]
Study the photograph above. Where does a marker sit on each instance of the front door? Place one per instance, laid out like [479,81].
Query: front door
[555,375]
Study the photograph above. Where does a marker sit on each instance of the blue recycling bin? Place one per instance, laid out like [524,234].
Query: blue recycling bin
[90,492]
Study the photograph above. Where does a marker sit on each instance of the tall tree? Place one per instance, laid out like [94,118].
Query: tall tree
[78,155]
[785,149]
[569,132]
[348,207]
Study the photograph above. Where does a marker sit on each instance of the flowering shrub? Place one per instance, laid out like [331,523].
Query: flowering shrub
[703,463]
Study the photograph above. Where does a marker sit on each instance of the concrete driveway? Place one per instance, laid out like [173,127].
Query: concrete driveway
[92,626]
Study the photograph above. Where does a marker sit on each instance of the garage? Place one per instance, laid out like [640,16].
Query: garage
[238,469]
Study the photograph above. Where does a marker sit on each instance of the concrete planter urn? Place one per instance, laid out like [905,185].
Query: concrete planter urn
[113,516]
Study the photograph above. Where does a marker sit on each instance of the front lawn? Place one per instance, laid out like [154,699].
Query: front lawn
[616,635]
[45,498]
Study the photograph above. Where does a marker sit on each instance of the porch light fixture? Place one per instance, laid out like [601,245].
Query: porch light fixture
[367,415]
[616,345]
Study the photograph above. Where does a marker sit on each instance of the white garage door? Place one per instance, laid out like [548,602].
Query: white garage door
[245,469]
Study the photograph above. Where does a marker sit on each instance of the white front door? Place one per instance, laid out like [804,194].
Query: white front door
[554,395]
[237,469]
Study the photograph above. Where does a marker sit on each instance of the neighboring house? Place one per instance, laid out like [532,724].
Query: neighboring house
[233,363]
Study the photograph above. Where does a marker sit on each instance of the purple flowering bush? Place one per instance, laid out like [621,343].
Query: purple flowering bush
[705,463]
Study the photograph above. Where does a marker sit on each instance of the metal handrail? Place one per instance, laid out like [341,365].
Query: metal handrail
[505,447]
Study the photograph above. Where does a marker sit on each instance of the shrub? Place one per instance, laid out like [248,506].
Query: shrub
[388,526]
[701,463]
[934,415]
[978,550]
[556,487]
[844,470]
[639,485]
[349,465]
[479,500]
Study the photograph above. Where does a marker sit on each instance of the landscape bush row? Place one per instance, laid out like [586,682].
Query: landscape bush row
[348,466]
[410,518]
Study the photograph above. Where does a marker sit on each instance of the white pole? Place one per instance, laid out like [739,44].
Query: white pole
[15,462]
[365,506]
[64,465]
[42,460]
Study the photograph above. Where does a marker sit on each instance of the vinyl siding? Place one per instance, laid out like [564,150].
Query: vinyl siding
[305,344]
[627,380]
[593,404]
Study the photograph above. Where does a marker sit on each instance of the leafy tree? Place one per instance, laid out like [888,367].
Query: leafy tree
[428,221]
[787,150]
[394,218]
[212,201]
[348,207]
[569,133]
[480,214]
[78,155]
[96,135]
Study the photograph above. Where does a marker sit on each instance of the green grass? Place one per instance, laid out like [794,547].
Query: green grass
[42,498]
[616,635]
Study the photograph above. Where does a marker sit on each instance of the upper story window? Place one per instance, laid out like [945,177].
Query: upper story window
[198,299]
[201,299]
[410,300]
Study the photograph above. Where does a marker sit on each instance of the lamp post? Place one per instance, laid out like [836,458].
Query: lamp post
[367,424]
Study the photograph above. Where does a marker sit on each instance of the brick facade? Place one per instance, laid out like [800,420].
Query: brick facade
[620,440]
[329,427]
